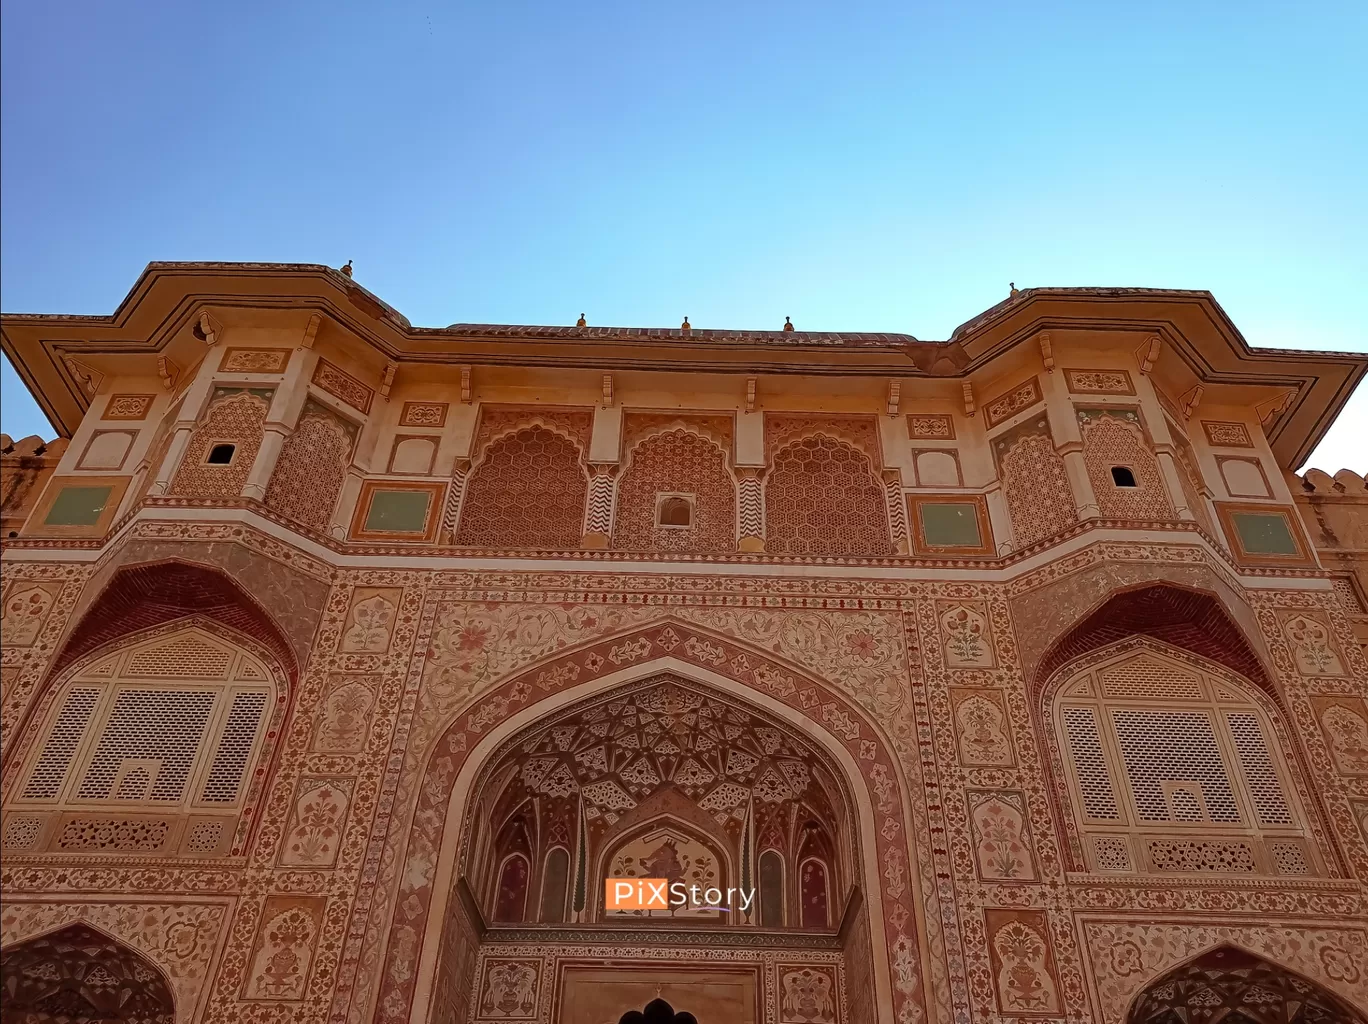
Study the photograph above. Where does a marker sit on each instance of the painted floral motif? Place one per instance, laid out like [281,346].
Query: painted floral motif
[982,731]
[344,720]
[1347,733]
[1311,647]
[966,638]
[284,953]
[316,827]
[26,609]
[807,996]
[370,621]
[1023,978]
[510,990]
[1001,840]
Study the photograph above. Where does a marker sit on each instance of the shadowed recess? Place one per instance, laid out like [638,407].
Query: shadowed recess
[1187,619]
[142,596]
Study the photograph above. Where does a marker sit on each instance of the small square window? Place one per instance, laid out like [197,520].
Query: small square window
[950,524]
[1123,476]
[78,506]
[1265,533]
[674,511]
[398,511]
[221,455]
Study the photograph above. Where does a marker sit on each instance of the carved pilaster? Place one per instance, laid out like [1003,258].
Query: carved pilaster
[751,510]
[598,518]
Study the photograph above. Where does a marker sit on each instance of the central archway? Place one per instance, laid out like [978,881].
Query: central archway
[1229,986]
[77,975]
[854,744]
[661,778]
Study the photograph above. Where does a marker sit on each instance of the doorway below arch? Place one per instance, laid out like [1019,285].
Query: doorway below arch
[1229,986]
[78,975]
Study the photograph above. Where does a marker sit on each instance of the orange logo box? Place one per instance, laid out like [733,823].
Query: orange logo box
[636,893]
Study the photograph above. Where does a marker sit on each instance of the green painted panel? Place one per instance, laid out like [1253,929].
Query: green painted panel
[78,506]
[950,524]
[1265,533]
[398,511]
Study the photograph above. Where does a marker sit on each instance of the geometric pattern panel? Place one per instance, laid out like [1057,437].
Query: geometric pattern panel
[235,416]
[677,461]
[1039,498]
[528,491]
[312,466]
[822,498]
[1115,438]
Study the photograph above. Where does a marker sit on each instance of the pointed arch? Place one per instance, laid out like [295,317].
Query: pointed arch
[428,853]
[141,596]
[81,973]
[1184,617]
[1147,744]
[1217,983]
[676,458]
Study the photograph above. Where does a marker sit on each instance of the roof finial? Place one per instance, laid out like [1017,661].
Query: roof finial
[1014,293]
[581,322]
[788,324]
[347,269]
[686,326]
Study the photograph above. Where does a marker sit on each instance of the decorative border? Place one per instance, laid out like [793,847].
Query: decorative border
[342,385]
[251,360]
[143,408]
[1225,434]
[1016,399]
[1304,556]
[934,428]
[430,523]
[413,412]
[1073,377]
[35,527]
[986,547]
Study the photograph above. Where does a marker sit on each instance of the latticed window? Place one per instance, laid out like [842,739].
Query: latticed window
[147,750]
[1174,769]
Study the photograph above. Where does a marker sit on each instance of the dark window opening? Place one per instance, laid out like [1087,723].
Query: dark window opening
[675,512]
[221,454]
[1122,476]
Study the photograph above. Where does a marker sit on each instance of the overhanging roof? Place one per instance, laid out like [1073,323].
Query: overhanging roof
[157,315]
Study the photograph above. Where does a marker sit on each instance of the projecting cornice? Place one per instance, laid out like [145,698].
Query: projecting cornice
[54,353]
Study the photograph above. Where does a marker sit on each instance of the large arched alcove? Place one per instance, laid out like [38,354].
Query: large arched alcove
[139,597]
[1227,985]
[426,909]
[661,778]
[147,747]
[79,975]
[1165,762]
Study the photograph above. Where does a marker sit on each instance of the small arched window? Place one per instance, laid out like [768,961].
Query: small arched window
[145,751]
[772,889]
[555,882]
[1174,769]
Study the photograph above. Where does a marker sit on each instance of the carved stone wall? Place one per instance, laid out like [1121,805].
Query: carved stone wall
[341,905]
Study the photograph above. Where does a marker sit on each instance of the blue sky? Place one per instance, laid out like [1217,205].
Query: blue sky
[854,166]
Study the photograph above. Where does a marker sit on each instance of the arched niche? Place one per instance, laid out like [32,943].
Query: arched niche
[1166,763]
[663,778]
[147,747]
[1232,986]
[435,905]
[80,975]
[139,597]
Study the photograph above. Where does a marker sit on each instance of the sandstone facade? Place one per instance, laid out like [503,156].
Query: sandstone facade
[344,660]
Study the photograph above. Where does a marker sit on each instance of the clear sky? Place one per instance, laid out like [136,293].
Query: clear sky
[855,166]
